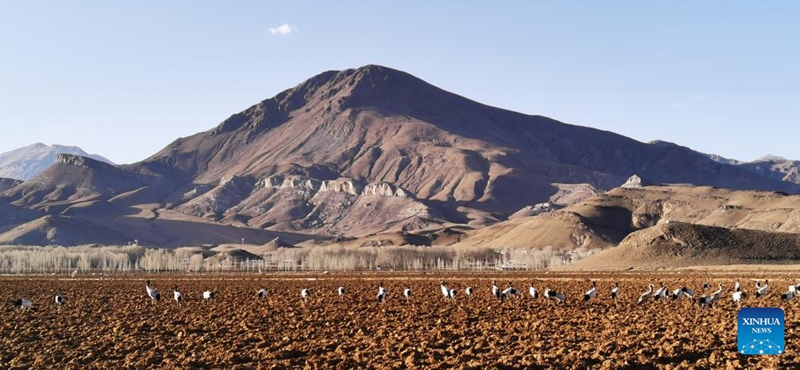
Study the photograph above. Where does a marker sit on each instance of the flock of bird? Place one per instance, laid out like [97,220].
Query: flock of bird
[708,300]
[663,293]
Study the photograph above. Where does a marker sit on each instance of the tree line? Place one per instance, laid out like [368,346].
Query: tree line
[133,258]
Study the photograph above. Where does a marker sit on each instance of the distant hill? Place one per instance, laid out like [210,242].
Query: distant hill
[27,162]
[775,167]
[769,166]
[660,227]
[679,245]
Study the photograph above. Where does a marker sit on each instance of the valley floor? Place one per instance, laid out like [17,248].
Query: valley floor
[111,323]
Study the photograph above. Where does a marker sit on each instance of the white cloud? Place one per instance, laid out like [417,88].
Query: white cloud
[694,99]
[284,29]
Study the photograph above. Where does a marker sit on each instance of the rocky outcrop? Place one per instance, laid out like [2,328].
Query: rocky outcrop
[290,181]
[635,182]
[385,190]
[535,210]
[80,161]
[342,185]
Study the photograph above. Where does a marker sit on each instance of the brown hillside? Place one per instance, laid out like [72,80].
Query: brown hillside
[678,245]
[606,219]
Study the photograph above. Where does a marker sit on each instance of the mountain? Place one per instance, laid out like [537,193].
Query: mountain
[74,179]
[26,162]
[775,167]
[769,166]
[770,158]
[375,124]
[356,153]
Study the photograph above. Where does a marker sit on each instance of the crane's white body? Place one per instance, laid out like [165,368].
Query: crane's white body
[590,293]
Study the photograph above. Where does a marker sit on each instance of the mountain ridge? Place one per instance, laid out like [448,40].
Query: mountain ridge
[455,161]
[26,162]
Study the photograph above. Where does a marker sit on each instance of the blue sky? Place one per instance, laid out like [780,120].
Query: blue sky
[124,79]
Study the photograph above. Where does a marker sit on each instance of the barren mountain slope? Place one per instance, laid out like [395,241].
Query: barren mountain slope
[71,180]
[678,245]
[375,124]
[604,220]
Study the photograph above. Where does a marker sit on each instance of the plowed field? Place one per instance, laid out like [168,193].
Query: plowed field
[111,323]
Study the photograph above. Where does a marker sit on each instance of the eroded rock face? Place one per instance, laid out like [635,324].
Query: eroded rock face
[384,189]
[342,185]
[290,181]
[536,210]
[74,160]
[635,182]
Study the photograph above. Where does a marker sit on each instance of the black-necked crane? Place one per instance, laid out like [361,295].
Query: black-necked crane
[381,293]
[709,300]
[558,297]
[177,295]
[304,295]
[533,292]
[495,290]
[452,293]
[706,285]
[509,291]
[717,294]
[23,303]
[790,293]
[658,294]
[688,292]
[677,294]
[615,292]
[736,286]
[341,293]
[468,291]
[762,290]
[705,301]
[646,295]
[262,293]
[738,295]
[445,289]
[152,293]
[665,294]
[407,293]
[591,292]
[59,300]
[208,295]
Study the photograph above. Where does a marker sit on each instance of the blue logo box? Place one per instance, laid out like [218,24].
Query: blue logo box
[761,331]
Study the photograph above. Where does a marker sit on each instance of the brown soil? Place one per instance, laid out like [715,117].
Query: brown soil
[110,323]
